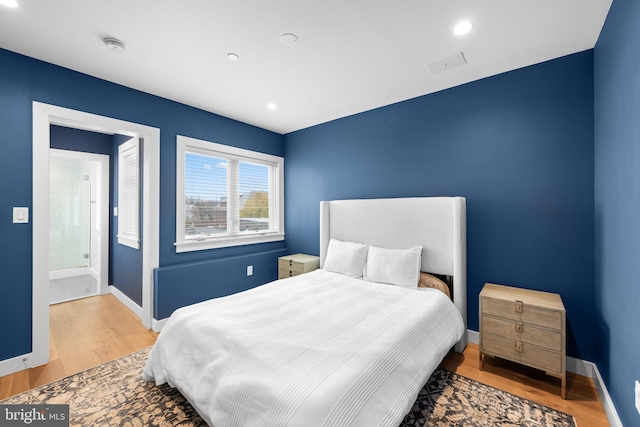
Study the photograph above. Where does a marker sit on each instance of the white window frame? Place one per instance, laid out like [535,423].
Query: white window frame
[185,144]
[129,198]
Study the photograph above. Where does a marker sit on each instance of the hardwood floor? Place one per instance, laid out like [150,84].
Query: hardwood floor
[582,400]
[83,333]
[87,332]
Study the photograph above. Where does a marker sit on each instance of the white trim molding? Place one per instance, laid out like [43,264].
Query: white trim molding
[44,115]
[157,325]
[586,369]
[16,364]
[605,398]
[473,337]
[231,158]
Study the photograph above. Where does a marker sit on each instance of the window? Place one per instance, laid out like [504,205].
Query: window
[226,196]
[129,193]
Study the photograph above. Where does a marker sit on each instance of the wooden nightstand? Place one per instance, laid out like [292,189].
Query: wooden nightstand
[292,265]
[524,326]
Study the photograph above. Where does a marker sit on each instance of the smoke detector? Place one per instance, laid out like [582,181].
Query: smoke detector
[114,45]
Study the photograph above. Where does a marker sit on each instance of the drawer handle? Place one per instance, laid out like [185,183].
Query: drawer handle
[519,346]
[518,306]
[290,273]
[290,262]
[518,326]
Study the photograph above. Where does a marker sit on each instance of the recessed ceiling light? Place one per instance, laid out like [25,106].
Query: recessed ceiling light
[114,45]
[271,106]
[462,28]
[232,56]
[289,39]
[9,3]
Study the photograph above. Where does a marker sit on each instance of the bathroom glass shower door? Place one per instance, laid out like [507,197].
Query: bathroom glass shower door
[70,217]
[70,222]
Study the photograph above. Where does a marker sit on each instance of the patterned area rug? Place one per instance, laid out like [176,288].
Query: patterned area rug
[114,394]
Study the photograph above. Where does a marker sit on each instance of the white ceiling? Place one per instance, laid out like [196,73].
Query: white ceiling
[351,55]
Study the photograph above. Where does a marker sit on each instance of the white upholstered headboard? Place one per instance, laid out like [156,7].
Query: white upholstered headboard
[438,224]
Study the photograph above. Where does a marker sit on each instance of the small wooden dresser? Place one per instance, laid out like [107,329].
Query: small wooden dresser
[524,326]
[292,265]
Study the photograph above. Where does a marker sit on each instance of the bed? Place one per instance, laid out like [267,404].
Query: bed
[325,348]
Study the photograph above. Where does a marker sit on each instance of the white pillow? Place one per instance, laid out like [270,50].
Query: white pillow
[346,258]
[394,266]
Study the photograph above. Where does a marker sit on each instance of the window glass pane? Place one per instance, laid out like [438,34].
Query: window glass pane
[205,206]
[254,197]
[226,196]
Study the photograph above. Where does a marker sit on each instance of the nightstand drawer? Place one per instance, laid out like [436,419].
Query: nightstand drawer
[299,263]
[292,265]
[526,313]
[289,264]
[525,332]
[285,272]
[518,351]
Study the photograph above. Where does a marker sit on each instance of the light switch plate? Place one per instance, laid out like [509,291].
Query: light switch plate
[20,215]
[638,396]
[249,270]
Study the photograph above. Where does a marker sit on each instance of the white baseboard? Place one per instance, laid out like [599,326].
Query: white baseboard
[15,364]
[131,305]
[157,325]
[584,368]
[605,398]
[580,367]
[473,337]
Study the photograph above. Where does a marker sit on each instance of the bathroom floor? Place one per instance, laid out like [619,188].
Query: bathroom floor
[71,288]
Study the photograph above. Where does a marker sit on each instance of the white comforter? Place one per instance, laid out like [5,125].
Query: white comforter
[319,349]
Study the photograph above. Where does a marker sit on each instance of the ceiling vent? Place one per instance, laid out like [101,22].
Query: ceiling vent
[447,63]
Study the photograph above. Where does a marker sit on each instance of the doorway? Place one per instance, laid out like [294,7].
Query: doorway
[78,224]
[45,115]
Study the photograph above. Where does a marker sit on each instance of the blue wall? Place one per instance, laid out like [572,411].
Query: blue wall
[64,138]
[518,146]
[184,284]
[24,80]
[617,205]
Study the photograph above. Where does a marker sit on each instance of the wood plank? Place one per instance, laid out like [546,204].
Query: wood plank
[45,374]
[14,384]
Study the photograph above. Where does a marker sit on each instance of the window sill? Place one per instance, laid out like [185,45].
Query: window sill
[225,242]
[128,241]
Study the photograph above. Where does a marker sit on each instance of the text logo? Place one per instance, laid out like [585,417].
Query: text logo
[34,415]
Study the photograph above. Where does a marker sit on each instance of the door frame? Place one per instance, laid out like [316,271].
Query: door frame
[44,115]
[98,260]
